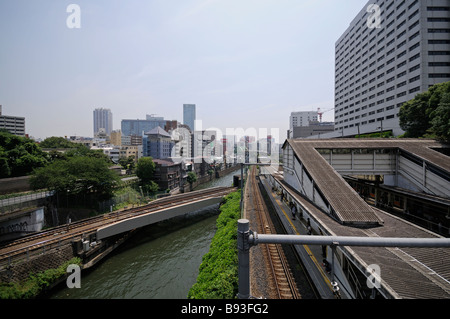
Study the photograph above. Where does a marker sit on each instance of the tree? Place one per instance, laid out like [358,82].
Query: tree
[79,175]
[58,142]
[127,162]
[191,178]
[425,114]
[414,116]
[145,169]
[20,155]
[441,119]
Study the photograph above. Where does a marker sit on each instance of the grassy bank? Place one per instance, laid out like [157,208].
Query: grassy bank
[36,283]
[218,273]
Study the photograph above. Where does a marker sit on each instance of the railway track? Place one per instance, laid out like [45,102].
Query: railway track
[64,233]
[285,285]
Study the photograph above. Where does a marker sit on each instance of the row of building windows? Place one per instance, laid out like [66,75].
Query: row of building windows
[380,119]
[363,26]
[362,29]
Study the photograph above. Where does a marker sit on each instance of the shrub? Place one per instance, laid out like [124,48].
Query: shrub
[36,283]
[218,273]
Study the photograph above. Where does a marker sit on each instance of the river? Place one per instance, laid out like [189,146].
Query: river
[160,262]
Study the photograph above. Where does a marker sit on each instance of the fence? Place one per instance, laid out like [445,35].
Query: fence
[15,203]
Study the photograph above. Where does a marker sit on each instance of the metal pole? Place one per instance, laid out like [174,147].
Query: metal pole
[242,186]
[256,239]
[244,259]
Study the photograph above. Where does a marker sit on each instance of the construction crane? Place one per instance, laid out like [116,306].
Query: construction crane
[322,113]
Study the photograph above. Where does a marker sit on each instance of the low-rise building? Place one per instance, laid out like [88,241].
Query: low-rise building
[168,174]
[13,124]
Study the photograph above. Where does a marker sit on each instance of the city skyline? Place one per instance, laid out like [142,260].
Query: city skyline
[244,64]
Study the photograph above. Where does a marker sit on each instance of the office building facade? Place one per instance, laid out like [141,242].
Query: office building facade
[301,119]
[13,124]
[189,116]
[103,120]
[392,51]
[157,144]
[139,127]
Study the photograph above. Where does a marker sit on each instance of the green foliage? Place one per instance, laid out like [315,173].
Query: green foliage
[441,118]
[36,283]
[19,155]
[375,135]
[74,149]
[191,178]
[218,273]
[427,115]
[79,174]
[151,187]
[127,162]
[145,169]
[58,142]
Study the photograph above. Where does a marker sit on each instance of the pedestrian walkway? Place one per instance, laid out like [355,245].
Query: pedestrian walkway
[312,256]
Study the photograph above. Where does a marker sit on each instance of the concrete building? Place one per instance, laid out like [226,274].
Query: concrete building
[189,116]
[301,119]
[313,129]
[182,138]
[13,124]
[391,51]
[131,150]
[168,174]
[157,144]
[103,119]
[139,127]
[116,138]
[204,144]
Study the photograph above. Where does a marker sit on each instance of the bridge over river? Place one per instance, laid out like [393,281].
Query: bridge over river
[93,238]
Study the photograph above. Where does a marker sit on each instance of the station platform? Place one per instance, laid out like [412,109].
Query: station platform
[311,255]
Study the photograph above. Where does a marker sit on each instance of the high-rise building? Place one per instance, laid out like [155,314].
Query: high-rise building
[13,124]
[391,51]
[103,119]
[189,116]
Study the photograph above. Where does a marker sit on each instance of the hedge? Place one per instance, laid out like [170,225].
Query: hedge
[218,272]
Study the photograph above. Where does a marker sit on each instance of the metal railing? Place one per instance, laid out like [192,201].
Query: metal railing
[247,239]
[11,204]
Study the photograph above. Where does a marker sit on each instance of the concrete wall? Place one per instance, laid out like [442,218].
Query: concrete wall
[23,223]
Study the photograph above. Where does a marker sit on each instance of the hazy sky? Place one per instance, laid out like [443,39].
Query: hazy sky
[244,63]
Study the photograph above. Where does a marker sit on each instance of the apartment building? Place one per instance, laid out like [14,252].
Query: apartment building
[391,51]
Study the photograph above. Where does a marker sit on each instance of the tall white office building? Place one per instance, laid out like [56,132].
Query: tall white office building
[103,120]
[391,51]
[189,116]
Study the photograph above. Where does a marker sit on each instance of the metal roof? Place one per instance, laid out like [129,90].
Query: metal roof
[420,273]
[348,207]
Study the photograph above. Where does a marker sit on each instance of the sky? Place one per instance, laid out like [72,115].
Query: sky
[244,63]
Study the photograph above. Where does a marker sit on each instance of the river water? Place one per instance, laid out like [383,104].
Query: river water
[160,262]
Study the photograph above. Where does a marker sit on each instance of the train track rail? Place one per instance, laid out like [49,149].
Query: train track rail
[285,285]
[68,232]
